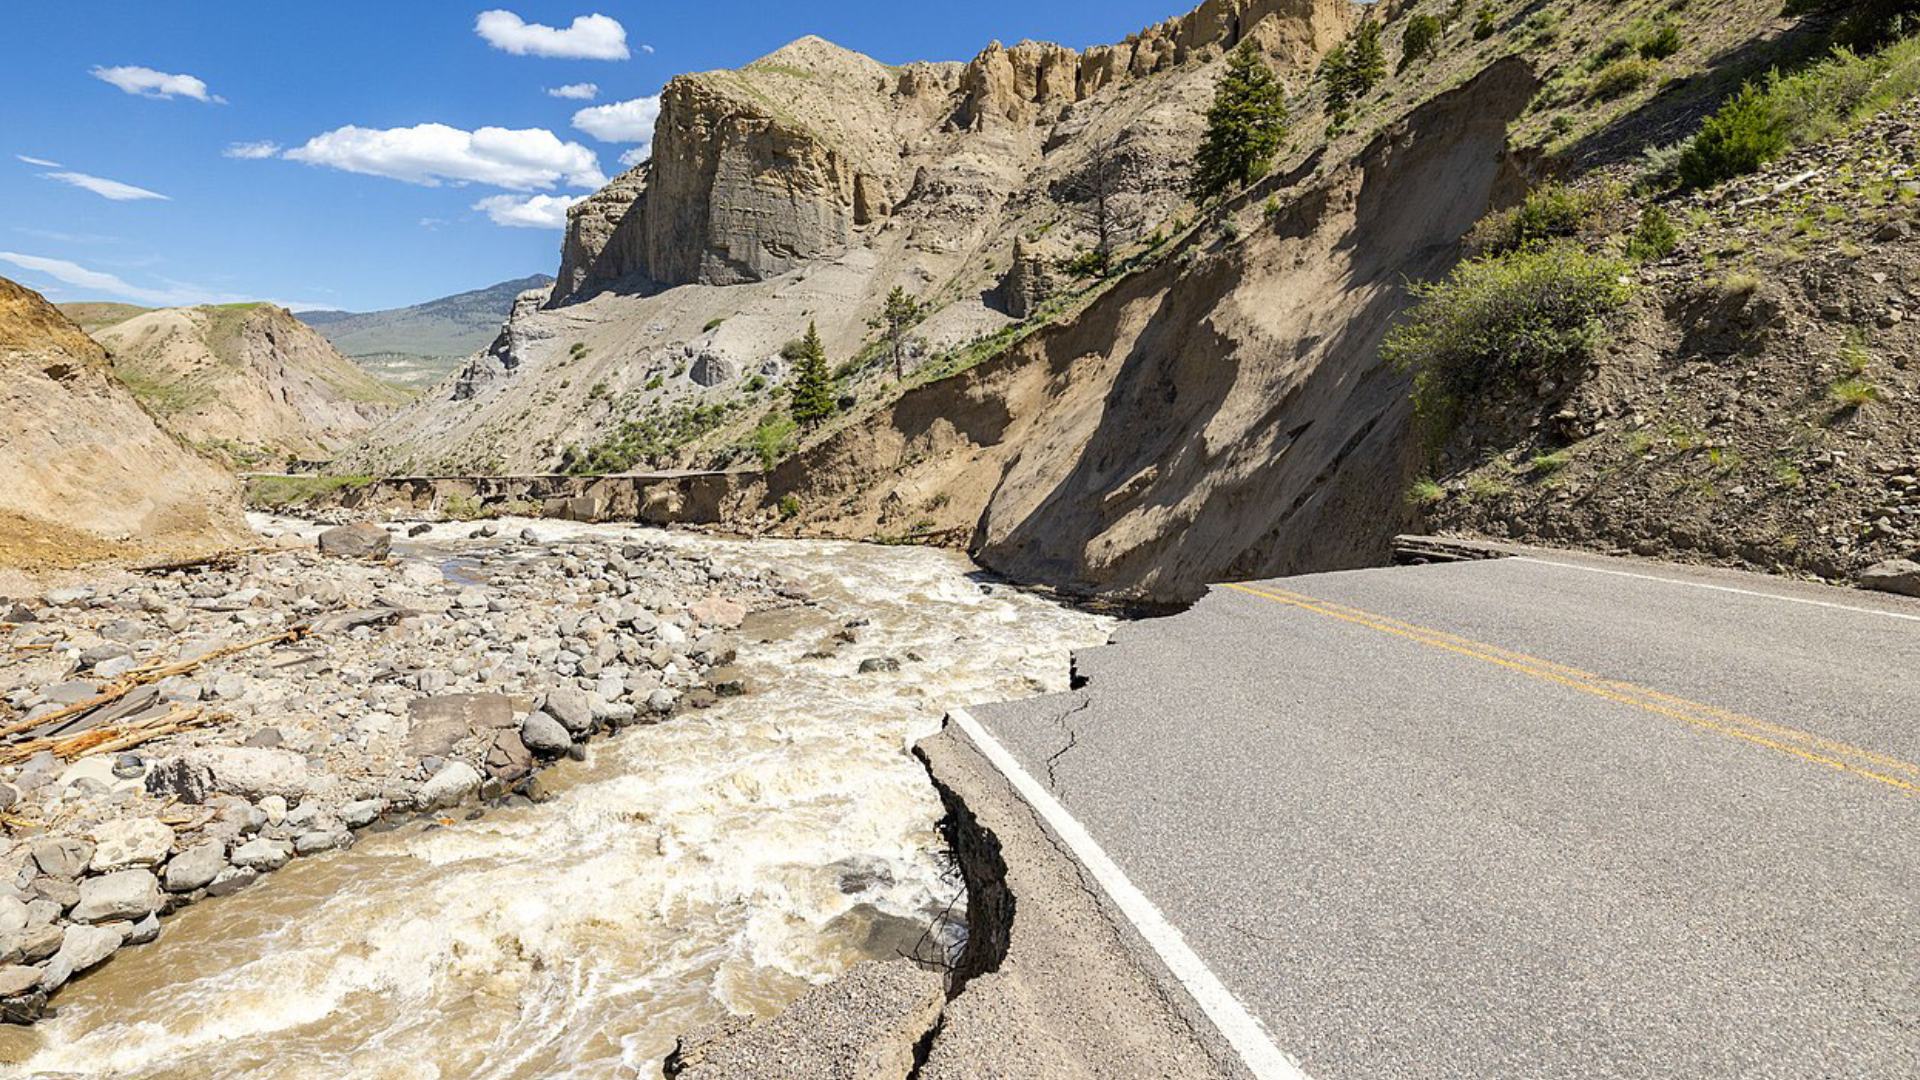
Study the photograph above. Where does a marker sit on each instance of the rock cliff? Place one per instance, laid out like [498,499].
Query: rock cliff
[759,170]
[85,472]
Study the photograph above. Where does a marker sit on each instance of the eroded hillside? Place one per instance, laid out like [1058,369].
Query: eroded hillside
[247,380]
[85,472]
[1109,388]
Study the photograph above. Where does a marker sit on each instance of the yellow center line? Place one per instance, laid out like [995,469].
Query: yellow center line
[1819,741]
[1619,692]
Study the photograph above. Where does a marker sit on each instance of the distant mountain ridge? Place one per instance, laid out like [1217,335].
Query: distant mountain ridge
[416,346]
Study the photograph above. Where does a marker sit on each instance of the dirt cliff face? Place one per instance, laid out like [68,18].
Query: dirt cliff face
[85,472]
[249,379]
[1223,415]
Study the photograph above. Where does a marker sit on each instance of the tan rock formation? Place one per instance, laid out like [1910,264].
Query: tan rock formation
[606,235]
[249,377]
[85,472]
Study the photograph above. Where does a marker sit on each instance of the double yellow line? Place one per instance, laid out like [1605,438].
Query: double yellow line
[1901,775]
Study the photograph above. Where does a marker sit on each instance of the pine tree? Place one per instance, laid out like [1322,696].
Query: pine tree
[1369,58]
[812,383]
[1245,126]
[901,312]
[1353,68]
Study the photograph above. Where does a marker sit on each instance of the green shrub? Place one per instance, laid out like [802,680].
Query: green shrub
[1484,25]
[1420,40]
[1504,321]
[793,350]
[789,507]
[1663,43]
[1620,78]
[1549,212]
[1744,135]
[1655,238]
[1854,393]
[713,324]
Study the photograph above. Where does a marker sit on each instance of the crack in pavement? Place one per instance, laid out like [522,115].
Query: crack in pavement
[1073,740]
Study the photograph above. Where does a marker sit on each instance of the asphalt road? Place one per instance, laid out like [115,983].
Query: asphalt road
[1521,820]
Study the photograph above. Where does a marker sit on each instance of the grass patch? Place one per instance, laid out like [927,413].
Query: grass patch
[1548,464]
[281,492]
[1426,493]
[1853,393]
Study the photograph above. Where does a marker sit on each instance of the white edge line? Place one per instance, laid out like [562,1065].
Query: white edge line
[1244,1033]
[1717,588]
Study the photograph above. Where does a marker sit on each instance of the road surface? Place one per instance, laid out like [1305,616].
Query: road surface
[1536,818]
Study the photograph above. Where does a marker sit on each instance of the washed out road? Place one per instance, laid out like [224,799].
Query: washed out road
[1531,818]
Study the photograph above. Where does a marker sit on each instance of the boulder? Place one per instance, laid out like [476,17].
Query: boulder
[16,979]
[360,541]
[571,707]
[123,894]
[62,857]
[129,842]
[542,734]
[196,867]
[1900,576]
[143,932]
[232,880]
[251,772]
[261,854]
[13,915]
[449,787]
[360,814]
[81,948]
[31,945]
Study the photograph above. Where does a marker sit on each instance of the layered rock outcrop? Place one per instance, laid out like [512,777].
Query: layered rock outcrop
[757,171]
[84,470]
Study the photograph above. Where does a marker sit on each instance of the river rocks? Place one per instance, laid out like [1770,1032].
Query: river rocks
[409,690]
[143,932]
[196,867]
[362,813]
[130,842]
[31,944]
[17,979]
[879,664]
[81,948]
[1901,576]
[572,708]
[13,915]
[123,894]
[542,734]
[449,787]
[62,857]
[262,854]
[250,772]
[362,541]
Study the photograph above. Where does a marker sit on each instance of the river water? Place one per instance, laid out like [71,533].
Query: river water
[719,863]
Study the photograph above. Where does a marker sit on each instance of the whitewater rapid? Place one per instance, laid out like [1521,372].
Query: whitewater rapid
[717,864]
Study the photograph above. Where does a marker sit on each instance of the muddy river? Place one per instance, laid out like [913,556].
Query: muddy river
[718,863]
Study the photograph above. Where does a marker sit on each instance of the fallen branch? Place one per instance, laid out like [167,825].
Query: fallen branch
[141,676]
[112,738]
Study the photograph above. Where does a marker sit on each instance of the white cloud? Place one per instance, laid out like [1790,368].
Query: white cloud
[428,154]
[146,82]
[580,91]
[42,162]
[648,49]
[106,189]
[80,277]
[635,156]
[591,37]
[431,223]
[251,151]
[624,121]
[537,212]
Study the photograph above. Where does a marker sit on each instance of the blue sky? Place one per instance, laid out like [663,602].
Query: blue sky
[362,155]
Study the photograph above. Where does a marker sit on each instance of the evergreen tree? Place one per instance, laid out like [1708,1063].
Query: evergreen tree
[1353,68]
[898,317]
[812,383]
[1245,126]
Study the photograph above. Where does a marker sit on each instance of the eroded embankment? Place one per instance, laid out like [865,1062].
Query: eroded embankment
[1223,413]
[1052,981]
